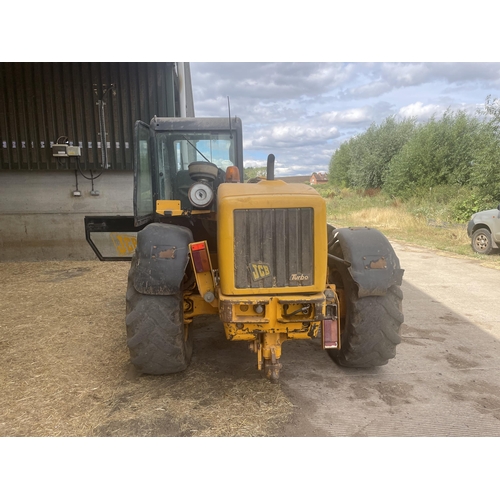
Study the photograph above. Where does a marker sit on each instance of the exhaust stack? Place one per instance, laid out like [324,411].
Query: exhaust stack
[270,167]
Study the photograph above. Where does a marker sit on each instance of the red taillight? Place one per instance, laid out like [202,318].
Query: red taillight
[198,246]
[330,334]
[200,257]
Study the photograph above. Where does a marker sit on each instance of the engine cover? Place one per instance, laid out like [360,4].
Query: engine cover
[271,238]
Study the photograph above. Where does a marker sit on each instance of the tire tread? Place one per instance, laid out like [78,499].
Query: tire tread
[155,331]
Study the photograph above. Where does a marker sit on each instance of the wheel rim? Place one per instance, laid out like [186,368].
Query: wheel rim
[481,242]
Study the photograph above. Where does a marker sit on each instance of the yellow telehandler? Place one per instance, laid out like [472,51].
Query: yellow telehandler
[260,255]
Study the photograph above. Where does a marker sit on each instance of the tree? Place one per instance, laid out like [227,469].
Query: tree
[492,112]
[340,165]
[362,161]
[252,172]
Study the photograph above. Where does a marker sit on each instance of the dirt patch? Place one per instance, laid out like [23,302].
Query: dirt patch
[395,393]
[412,335]
[66,372]
[484,395]
[460,362]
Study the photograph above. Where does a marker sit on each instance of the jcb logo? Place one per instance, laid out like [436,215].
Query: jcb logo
[124,244]
[259,271]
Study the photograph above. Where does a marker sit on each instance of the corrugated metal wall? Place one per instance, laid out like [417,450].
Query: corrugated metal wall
[41,103]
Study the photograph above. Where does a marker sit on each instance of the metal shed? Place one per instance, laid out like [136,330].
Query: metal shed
[41,103]
[77,104]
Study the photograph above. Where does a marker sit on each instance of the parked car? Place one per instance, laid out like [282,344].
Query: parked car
[484,231]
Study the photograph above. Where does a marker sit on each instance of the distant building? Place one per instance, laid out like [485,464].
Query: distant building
[318,178]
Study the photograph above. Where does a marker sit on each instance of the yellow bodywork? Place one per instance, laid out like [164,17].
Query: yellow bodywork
[265,195]
[173,208]
[265,317]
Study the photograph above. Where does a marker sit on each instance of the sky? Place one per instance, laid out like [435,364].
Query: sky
[302,111]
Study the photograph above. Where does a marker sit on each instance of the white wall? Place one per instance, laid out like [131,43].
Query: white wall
[40,219]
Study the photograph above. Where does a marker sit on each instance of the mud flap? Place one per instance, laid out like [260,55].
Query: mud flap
[162,257]
[374,265]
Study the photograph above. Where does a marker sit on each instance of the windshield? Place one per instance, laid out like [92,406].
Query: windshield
[217,148]
[176,150]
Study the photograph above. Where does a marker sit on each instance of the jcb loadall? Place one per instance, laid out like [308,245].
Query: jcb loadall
[258,254]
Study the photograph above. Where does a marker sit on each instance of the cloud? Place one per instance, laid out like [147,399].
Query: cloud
[254,163]
[291,136]
[464,72]
[268,81]
[349,116]
[371,80]
[404,75]
[373,89]
[409,74]
[293,170]
[420,111]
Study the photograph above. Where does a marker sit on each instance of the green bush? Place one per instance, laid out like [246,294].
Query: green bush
[362,161]
[441,152]
[475,201]
[447,167]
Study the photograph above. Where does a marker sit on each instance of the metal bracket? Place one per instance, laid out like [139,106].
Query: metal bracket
[104,89]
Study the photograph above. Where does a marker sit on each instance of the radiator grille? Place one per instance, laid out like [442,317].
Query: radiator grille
[273,247]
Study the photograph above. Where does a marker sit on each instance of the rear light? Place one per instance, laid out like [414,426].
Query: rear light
[200,257]
[330,334]
[232,174]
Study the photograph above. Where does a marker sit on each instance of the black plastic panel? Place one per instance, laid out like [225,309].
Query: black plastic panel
[162,258]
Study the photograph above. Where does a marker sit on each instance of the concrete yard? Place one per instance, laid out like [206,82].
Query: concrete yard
[445,379]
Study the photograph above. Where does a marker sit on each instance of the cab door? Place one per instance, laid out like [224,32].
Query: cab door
[144,198]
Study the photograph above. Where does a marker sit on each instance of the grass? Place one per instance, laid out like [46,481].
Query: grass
[425,220]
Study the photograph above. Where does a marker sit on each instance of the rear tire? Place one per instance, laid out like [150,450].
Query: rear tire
[156,335]
[371,326]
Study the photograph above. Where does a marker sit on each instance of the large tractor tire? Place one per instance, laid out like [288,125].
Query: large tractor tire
[370,330]
[156,335]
